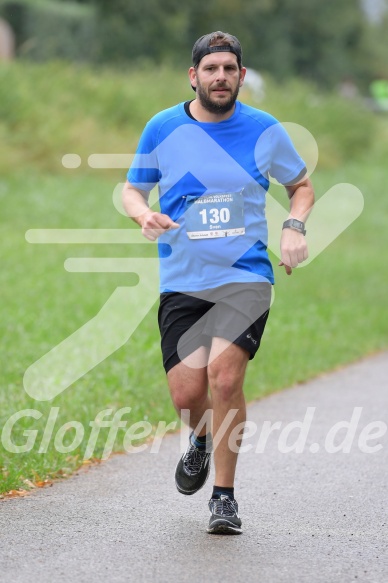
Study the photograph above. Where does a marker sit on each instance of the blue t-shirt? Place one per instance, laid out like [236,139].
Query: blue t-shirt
[213,179]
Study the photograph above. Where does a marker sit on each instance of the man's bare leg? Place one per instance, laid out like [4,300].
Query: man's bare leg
[226,377]
[189,389]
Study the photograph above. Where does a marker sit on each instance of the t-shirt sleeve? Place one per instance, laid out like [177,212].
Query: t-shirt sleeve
[144,171]
[285,163]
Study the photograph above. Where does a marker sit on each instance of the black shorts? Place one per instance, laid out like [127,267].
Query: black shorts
[187,320]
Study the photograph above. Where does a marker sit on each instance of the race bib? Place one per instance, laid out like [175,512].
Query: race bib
[215,215]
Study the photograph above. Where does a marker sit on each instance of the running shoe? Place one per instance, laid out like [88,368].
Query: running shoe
[224,518]
[193,469]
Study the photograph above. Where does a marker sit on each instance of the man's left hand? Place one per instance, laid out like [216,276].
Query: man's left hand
[293,248]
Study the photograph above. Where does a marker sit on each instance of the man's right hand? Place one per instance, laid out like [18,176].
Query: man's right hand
[154,224]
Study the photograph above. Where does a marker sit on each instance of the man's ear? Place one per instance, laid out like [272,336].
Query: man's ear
[193,77]
[242,75]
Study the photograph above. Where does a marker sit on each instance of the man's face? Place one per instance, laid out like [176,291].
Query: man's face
[217,80]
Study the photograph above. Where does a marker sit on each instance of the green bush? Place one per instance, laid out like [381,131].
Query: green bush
[344,129]
[49,109]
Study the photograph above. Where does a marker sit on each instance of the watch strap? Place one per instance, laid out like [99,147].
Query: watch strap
[294,224]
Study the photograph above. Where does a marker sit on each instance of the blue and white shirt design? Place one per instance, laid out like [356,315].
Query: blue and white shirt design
[212,180]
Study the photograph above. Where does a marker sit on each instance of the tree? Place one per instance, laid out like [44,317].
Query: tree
[321,41]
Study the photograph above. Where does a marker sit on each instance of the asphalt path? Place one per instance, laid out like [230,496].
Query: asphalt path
[313,516]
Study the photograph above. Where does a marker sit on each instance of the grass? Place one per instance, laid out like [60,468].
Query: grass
[51,109]
[325,315]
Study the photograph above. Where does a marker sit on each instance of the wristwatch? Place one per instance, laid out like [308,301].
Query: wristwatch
[294,224]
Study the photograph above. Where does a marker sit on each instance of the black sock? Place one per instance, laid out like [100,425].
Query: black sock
[200,441]
[218,490]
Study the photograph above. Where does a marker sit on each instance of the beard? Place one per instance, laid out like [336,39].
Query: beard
[214,106]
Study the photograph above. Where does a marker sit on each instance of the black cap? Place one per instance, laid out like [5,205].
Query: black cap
[202,48]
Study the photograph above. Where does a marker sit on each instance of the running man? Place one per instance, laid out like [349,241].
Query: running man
[211,158]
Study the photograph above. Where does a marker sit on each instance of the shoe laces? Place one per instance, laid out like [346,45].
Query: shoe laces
[224,506]
[194,459]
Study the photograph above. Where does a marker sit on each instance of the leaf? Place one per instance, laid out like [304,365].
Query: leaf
[16,493]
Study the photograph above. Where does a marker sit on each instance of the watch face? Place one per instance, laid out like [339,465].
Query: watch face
[294,224]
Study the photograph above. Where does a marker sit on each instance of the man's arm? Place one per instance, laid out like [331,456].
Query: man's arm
[293,244]
[153,224]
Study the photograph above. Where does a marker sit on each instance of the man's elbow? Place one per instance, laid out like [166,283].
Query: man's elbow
[129,190]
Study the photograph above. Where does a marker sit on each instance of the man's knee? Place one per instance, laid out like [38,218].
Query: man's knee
[188,387]
[225,383]
[184,399]
[186,394]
